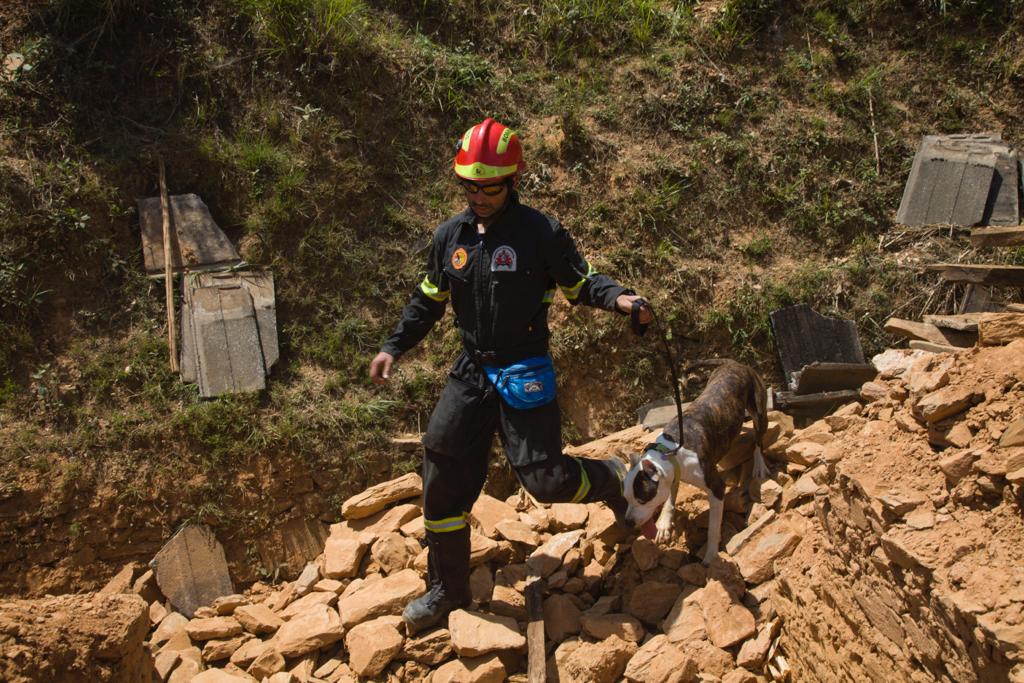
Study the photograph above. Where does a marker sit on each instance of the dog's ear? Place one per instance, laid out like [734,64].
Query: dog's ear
[650,470]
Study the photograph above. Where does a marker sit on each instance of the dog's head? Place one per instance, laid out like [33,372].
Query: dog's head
[647,486]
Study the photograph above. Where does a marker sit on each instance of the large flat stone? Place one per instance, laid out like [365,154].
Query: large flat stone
[380,598]
[475,633]
[376,498]
[313,630]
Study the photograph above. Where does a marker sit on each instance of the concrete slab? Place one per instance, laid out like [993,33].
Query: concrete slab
[199,241]
[191,569]
[227,341]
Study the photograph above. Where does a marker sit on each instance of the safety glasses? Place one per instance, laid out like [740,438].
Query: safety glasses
[489,190]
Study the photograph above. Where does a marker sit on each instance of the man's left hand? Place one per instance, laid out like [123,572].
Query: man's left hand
[624,304]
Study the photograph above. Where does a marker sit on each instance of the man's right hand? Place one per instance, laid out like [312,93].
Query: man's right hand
[380,367]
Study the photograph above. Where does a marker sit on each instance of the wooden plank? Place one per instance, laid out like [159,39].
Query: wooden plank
[1014,308]
[537,656]
[787,399]
[965,322]
[803,336]
[997,237]
[929,332]
[977,298]
[165,225]
[1010,276]
[818,377]
[934,348]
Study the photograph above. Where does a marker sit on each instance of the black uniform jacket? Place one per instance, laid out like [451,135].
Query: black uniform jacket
[500,284]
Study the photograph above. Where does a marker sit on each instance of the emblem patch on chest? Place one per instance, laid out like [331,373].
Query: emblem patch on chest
[459,258]
[504,258]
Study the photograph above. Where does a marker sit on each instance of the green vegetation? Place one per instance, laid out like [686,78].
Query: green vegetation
[717,157]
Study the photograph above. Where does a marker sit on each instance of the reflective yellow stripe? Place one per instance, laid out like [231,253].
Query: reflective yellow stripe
[584,488]
[440,526]
[482,170]
[503,141]
[466,138]
[430,289]
[549,296]
[571,293]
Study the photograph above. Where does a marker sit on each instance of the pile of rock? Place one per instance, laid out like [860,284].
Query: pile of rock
[614,606]
[913,567]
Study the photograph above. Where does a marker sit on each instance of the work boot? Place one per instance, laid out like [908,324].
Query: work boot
[606,486]
[448,581]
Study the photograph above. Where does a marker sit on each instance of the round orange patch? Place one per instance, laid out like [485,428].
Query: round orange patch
[459,258]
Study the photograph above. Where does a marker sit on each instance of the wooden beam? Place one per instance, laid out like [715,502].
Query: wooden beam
[165,211]
[787,399]
[998,237]
[965,322]
[1010,276]
[934,348]
[930,333]
[537,666]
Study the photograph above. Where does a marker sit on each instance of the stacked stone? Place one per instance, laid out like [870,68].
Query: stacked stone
[912,566]
[615,606]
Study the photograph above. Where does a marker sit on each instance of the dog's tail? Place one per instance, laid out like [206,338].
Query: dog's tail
[757,406]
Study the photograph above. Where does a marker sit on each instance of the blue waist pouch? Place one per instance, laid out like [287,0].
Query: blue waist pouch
[529,383]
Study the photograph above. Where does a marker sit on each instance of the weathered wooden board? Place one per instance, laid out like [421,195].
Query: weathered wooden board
[191,569]
[934,348]
[197,240]
[819,377]
[930,333]
[997,237]
[803,336]
[536,656]
[1011,276]
[964,322]
[788,399]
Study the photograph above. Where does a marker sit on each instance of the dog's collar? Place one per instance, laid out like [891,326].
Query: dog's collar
[663,449]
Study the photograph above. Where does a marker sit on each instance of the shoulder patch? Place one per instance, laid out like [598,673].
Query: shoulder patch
[459,258]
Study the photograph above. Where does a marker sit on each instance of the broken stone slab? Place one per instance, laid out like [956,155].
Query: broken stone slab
[567,516]
[376,498]
[122,581]
[651,600]
[309,576]
[372,645]
[946,402]
[757,559]
[660,661]
[561,617]
[307,602]
[311,631]
[380,598]
[754,652]
[213,628]
[602,662]
[486,669]
[547,558]
[258,619]
[431,648]
[646,553]
[394,552]
[727,621]
[474,633]
[619,625]
[343,556]
[509,602]
[481,548]
[191,569]
[518,532]
[489,511]
[268,663]
[217,650]
[1013,435]
[738,539]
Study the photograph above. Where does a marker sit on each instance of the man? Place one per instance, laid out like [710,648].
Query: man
[499,262]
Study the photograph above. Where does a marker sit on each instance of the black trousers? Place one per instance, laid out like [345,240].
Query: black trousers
[458,443]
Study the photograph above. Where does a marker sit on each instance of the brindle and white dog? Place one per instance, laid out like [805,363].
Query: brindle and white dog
[690,454]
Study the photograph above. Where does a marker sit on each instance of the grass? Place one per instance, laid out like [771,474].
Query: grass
[720,163]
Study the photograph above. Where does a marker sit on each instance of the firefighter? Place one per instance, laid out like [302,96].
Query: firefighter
[499,262]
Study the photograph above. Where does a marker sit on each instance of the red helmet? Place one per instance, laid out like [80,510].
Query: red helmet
[488,151]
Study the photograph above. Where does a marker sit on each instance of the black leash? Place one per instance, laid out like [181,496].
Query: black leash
[639,329]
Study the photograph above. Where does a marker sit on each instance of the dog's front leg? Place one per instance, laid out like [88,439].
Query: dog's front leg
[714,528]
[663,526]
